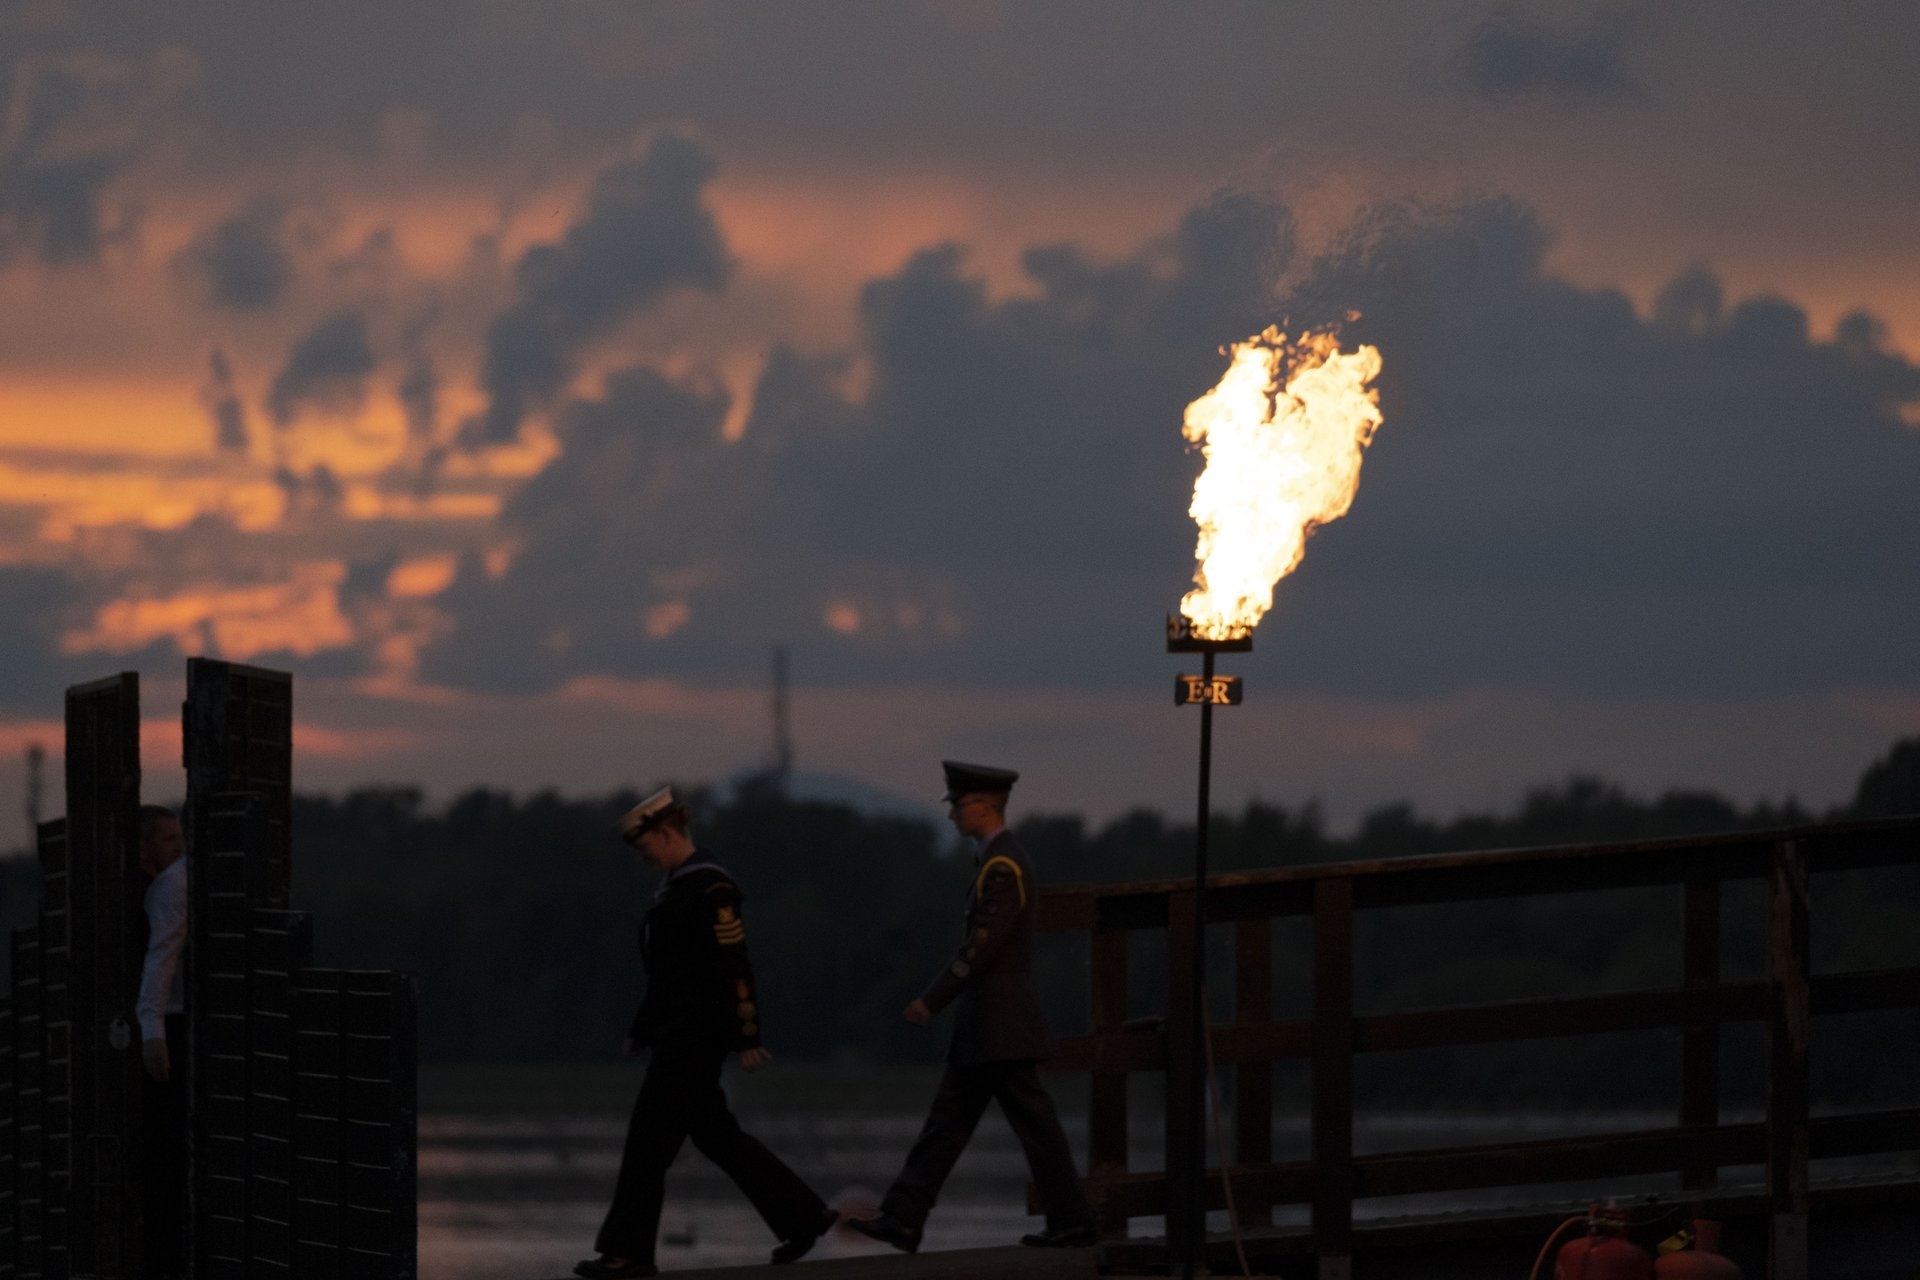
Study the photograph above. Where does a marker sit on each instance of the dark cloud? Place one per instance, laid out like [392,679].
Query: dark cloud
[419,393]
[1510,54]
[243,262]
[68,127]
[640,509]
[316,492]
[1009,463]
[36,606]
[1569,496]
[1566,495]
[327,369]
[644,233]
[223,404]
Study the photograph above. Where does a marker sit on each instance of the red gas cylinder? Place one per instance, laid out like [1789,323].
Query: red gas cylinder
[1604,1253]
[1701,1259]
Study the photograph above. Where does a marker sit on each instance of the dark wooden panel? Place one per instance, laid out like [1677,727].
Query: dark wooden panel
[1253,1080]
[234,828]
[237,736]
[1333,1028]
[1541,1019]
[56,1047]
[379,1047]
[9,1227]
[1458,877]
[29,1054]
[1700,1036]
[1536,1163]
[1107,1091]
[105,942]
[1143,1047]
[319,1240]
[279,944]
[1789,1034]
[1183,1158]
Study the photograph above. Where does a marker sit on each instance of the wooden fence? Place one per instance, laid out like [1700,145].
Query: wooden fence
[1697,1144]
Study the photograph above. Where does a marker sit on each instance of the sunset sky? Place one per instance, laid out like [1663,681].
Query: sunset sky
[519,375]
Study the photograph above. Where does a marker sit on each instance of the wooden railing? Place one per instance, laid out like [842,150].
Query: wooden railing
[1694,1147]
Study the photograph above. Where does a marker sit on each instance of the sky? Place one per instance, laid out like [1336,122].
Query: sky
[520,376]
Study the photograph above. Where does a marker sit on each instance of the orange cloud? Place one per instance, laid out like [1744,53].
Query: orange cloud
[101,412]
[80,498]
[422,576]
[351,744]
[300,616]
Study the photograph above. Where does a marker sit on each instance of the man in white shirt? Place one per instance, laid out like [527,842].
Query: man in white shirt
[162,1013]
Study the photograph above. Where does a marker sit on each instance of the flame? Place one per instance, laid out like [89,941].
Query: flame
[1282,432]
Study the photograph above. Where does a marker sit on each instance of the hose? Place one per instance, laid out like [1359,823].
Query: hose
[1547,1248]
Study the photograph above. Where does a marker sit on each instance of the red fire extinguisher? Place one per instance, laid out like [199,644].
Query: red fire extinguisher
[1694,1254]
[1604,1253]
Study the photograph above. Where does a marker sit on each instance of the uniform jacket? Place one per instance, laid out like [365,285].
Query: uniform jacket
[700,992]
[990,978]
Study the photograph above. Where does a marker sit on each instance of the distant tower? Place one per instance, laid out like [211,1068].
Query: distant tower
[36,768]
[781,767]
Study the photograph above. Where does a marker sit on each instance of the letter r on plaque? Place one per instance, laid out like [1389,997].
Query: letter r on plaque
[1194,691]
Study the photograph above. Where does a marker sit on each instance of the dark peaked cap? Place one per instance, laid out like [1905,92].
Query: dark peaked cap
[963,779]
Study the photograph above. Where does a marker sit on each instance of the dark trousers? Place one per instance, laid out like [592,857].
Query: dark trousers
[957,1107]
[681,1099]
[163,1134]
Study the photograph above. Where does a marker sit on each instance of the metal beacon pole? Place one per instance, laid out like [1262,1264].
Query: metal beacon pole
[1187,1231]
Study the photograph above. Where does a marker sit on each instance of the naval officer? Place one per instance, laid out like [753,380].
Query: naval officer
[700,1006]
[999,1036]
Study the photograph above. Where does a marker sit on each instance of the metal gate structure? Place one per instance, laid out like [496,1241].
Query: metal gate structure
[302,1080]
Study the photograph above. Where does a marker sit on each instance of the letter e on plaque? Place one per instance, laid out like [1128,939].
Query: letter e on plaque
[1218,691]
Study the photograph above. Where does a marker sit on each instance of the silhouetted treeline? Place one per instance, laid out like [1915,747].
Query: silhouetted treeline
[520,917]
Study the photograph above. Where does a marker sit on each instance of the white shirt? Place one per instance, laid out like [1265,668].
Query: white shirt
[162,981]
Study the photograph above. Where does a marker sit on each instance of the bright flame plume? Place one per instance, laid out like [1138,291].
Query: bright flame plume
[1283,433]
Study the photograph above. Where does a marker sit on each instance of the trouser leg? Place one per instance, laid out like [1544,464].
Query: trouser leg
[787,1204]
[1030,1110]
[654,1135]
[163,1121]
[957,1107]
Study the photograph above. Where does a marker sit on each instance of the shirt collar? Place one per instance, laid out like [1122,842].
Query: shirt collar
[981,846]
[695,861]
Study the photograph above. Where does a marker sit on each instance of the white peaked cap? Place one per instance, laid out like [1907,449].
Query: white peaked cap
[646,814]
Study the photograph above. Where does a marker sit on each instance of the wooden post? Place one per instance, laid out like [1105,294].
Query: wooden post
[1700,1040]
[1789,1023]
[279,945]
[378,1049]
[56,1045]
[29,1057]
[92,985]
[234,829]
[1253,1081]
[9,1228]
[1107,1101]
[237,735]
[1333,1077]
[1181,1157]
[319,1119]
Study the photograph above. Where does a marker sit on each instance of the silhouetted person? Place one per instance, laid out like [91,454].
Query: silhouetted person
[699,1007]
[161,1010]
[999,1036]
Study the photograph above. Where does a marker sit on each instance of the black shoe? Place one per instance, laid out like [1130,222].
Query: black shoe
[796,1247]
[601,1268]
[1080,1237]
[889,1230]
